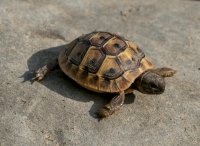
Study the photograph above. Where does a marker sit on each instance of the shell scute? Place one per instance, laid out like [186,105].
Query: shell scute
[122,83]
[93,59]
[82,76]
[129,59]
[136,49]
[78,52]
[100,38]
[110,68]
[73,72]
[114,87]
[114,46]
[94,81]
[104,85]
[70,46]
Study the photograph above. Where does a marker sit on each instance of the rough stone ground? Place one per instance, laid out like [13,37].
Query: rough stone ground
[56,111]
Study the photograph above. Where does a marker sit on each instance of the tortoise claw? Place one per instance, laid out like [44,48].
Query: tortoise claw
[40,73]
[34,78]
[105,111]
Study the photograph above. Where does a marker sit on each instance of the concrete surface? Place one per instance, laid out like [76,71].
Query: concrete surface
[58,112]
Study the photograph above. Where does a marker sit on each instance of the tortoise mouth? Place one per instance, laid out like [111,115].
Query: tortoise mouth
[157,92]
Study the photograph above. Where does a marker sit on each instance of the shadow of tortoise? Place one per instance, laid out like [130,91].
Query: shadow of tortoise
[58,82]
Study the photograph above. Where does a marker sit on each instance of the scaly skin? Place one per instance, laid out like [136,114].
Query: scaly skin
[41,72]
[112,106]
[164,71]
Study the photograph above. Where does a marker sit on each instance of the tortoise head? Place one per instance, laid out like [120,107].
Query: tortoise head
[149,83]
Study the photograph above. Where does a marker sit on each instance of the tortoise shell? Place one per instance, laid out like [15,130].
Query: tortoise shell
[103,62]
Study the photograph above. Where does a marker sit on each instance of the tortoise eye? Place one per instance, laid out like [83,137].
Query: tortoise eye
[152,85]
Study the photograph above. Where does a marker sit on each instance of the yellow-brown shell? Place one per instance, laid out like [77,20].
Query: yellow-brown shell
[103,62]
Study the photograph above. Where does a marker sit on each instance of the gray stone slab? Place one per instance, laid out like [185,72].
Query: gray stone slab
[57,111]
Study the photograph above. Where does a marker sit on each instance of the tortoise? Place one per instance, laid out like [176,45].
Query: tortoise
[105,62]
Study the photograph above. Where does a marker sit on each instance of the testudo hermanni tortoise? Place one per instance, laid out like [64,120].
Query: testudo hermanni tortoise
[108,63]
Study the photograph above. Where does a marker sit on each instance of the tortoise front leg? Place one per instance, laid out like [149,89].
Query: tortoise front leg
[164,71]
[112,106]
[41,72]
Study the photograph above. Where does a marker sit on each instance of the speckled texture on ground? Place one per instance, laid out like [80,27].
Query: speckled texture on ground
[56,111]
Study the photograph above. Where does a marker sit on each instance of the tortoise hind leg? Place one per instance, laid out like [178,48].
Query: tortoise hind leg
[112,106]
[41,72]
[164,71]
